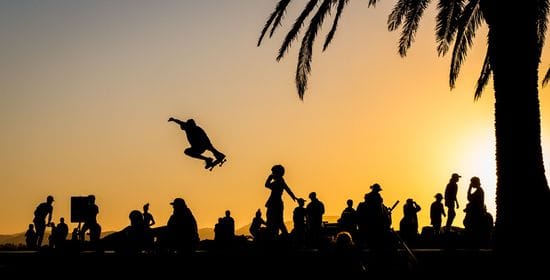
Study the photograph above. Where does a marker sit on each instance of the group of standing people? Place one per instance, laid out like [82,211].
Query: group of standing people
[478,223]
[369,223]
[307,220]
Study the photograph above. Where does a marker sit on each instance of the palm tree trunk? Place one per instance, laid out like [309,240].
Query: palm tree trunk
[523,197]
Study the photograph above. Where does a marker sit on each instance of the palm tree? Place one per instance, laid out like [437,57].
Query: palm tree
[514,44]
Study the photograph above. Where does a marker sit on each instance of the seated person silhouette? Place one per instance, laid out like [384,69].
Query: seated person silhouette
[199,142]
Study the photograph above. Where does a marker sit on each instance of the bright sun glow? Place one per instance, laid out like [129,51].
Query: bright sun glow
[479,160]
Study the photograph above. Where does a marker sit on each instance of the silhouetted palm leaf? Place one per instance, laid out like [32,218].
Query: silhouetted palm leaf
[306,51]
[330,35]
[483,79]
[372,3]
[291,35]
[274,18]
[397,14]
[410,26]
[447,23]
[467,26]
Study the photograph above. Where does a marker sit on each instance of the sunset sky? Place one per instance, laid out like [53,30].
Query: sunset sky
[86,88]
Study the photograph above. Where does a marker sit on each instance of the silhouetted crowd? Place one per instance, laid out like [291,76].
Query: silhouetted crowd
[368,226]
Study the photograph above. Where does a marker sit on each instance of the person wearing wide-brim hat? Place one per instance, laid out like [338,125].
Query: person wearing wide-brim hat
[376,187]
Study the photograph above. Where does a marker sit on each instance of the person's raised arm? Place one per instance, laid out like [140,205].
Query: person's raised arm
[171,119]
[268,181]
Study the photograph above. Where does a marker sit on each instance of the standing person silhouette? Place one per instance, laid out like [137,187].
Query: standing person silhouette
[90,221]
[436,211]
[42,211]
[199,142]
[314,220]
[30,237]
[61,233]
[148,219]
[450,199]
[274,204]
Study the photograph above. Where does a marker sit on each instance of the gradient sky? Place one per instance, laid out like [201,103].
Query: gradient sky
[86,88]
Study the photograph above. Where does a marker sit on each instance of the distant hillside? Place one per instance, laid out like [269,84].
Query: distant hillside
[206,233]
[17,238]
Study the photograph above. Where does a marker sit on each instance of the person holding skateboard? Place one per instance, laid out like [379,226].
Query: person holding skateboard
[200,143]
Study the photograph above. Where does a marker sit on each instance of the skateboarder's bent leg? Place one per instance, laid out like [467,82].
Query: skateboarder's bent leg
[219,155]
[196,153]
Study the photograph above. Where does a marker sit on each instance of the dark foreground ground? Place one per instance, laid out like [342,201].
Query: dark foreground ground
[251,264]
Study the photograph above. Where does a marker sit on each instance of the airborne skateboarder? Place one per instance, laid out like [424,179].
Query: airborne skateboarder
[199,142]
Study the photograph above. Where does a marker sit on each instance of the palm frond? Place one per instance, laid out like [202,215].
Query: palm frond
[546,77]
[330,35]
[277,15]
[468,23]
[447,21]
[291,35]
[410,26]
[397,14]
[306,51]
[484,76]
[542,21]
[282,9]
[372,3]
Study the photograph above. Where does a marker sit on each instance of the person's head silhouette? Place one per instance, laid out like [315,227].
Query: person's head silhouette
[376,187]
[278,170]
[136,218]
[475,182]
[179,203]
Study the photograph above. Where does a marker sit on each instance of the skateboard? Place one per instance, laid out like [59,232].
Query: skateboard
[217,162]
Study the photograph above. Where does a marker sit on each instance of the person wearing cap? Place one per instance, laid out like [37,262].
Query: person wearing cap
[450,199]
[43,210]
[436,211]
[182,232]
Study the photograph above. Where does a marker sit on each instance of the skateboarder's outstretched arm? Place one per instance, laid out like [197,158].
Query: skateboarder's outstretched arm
[171,119]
